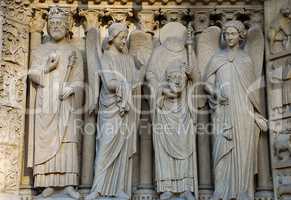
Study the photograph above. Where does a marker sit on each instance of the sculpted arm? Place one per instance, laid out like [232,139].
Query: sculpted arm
[109,76]
[38,68]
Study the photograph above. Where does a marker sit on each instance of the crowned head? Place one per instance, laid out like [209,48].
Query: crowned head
[58,23]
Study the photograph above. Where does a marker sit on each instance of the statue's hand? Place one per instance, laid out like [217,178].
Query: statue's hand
[92,109]
[169,93]
[52,62]
[66,92]
[261,122]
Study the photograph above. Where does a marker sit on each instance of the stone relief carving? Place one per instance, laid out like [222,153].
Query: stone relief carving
[280,30]
[103,18]
[14,54]
[57,74]
[282,143]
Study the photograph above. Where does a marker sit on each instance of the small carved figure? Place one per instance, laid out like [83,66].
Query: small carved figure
[282,143]
[57,74]
[280,31]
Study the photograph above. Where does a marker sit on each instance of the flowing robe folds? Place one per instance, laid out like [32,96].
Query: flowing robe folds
[116,134]
[56,134]
[173,125]
[236,133]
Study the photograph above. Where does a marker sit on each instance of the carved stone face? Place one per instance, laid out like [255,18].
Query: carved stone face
[120,41]
[57,28]
[177,80]
[232,37]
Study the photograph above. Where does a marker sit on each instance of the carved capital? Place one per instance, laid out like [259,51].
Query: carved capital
[119,15]
[38,21]
[175,15]
[92,18]
[147,21]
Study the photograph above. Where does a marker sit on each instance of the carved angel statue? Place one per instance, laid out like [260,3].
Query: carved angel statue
[117,77]
[232,69]
[57,74]
[171,76]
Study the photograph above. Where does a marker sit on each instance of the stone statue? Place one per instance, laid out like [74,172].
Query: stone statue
[57,74]
[234,96]
[280,31]
[171,74]
[286,83]
[117,119]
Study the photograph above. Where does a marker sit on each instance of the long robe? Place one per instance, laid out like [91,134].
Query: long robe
[56,134]
[235,131]
[175,149]
[116,134]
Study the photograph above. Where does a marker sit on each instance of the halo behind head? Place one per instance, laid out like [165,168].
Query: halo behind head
[173,30]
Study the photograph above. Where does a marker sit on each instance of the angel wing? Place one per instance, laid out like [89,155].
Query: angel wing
[141,48]
[207,44]
[255,48]
[93,52]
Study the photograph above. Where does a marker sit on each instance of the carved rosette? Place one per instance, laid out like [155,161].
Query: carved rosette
[13,68]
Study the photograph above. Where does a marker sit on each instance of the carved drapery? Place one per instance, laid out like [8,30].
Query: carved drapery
[147,15]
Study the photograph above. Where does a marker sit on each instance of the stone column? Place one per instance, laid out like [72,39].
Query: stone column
[264,186]
[89,138]
[204,156]
[146,187]
[37,25]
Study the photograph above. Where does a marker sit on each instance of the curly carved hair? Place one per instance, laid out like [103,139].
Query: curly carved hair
[239,26]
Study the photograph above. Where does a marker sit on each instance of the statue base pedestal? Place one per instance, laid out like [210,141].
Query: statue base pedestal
[4,196]
[205,194]
[264,195]
[145,194]
[26,193]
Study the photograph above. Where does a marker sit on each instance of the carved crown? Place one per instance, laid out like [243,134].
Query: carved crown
[58,12]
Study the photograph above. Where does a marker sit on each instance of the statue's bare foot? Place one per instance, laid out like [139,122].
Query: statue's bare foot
[92,196]
[166,195]
[187,195]
[216,197]
[72,192]
[244,196]
[122,195]
[47,192]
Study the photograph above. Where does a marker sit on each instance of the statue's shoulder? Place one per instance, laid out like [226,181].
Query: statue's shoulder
[42,50]
[220,55]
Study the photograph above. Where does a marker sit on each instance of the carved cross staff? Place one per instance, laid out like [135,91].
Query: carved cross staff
[189,45]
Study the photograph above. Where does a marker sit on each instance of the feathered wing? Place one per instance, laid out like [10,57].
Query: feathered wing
[140,48]
[255,49]
[207,44]
[93,53]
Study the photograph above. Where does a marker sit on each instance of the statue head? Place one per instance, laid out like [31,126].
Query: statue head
[285,11]
[117,36]
[234,33]
[58,23]
[175,74]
